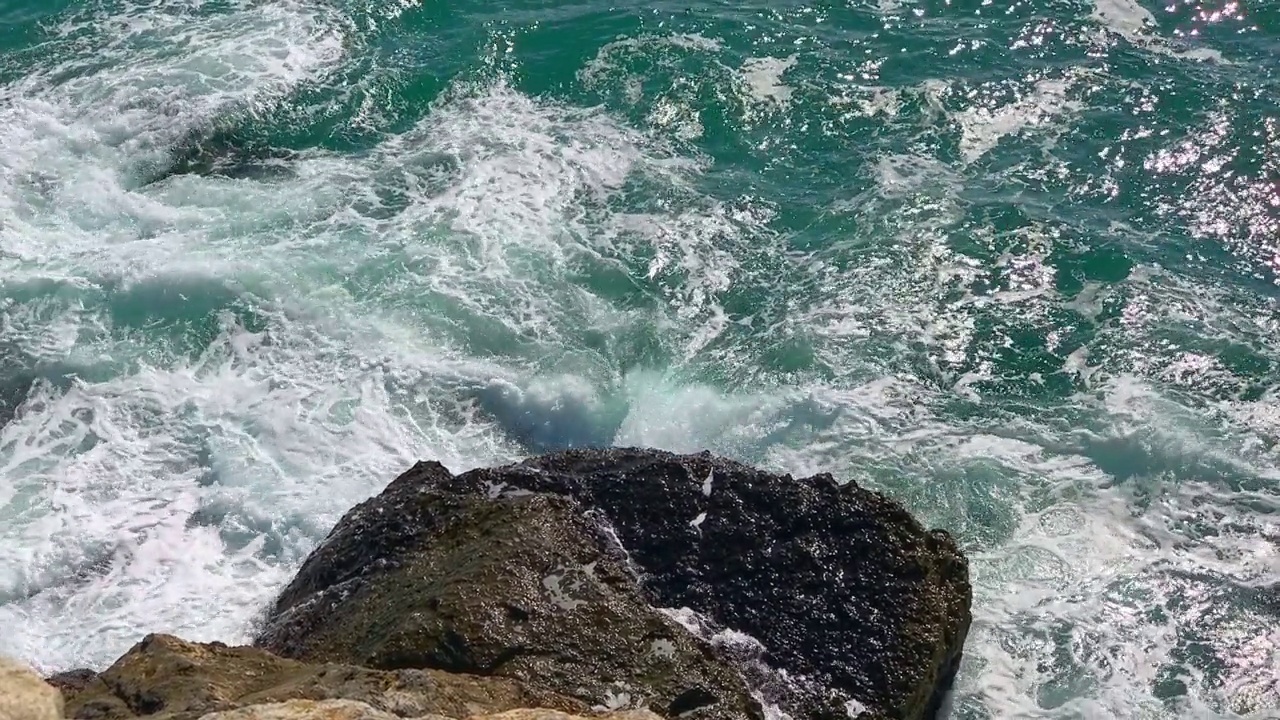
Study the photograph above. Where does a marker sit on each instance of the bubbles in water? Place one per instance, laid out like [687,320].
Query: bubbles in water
[203,332]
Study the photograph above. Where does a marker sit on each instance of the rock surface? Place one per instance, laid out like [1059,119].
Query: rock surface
[352,710]
[522,586]
[517,571]
[307,710]
[163,676]
[556,715]
[25,696]
[841,585]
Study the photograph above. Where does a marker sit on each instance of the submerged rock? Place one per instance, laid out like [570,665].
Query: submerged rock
[226,151]
[546,571]
[522,586]
[179,680]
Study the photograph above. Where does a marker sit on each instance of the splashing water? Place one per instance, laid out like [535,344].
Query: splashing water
[1014,266]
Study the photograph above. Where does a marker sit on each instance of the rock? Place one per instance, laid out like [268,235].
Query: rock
[304,710]
[841,585]
[24,696]
[837,586]
[166,677]
[519,586]
[225,151]
[352,710]
[557,715]
[72,680]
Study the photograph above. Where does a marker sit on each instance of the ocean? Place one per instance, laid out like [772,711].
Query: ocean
[1014,264]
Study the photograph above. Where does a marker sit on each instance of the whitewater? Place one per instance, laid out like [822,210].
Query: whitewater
[257,258]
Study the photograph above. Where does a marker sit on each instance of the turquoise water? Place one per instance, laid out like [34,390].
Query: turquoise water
[1012,263]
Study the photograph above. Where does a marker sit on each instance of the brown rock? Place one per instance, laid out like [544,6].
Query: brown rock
[834,596]
[25,696]
[163,675]
[304,710]
[353,710]
[522,586]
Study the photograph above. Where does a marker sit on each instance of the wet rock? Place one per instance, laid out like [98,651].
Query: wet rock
[72,680]
[842,587]
[164,676]
[522,586]
[24,696]
[228,152]
[863,608]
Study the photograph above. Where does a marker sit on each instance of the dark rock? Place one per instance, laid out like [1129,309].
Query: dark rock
[522,586]
[843,590]
[72,680]
[840,584]
[228,152]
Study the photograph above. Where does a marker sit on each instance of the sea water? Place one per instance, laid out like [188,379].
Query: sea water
[1014,264]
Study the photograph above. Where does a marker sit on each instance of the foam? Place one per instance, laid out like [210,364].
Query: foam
[982,128]
[1131,21]
[253,341]
[1068,570]
[600,70]
[763,77]
[679,70]
[1093,515]
[445,296]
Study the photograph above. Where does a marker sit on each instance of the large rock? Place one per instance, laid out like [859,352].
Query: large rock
[520,585]
[25,696]
[169,678]
[496,571]
[843,588]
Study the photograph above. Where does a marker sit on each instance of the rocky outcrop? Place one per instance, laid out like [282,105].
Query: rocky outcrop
[622,584]
[24,696]
[163,676]
[522,586]
[548,571]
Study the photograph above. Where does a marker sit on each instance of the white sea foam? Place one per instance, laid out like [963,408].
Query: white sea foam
[983,127]
[1098,517]
[1133,22]
[366,311]
[763,78]
[426,300]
